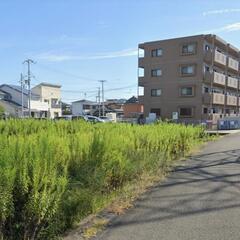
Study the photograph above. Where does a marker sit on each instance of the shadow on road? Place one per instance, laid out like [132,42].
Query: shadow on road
[209,183]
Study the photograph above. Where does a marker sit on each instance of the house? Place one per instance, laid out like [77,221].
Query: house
[192,79]
[50,94]
[132,108]
[15,100]
[83,107]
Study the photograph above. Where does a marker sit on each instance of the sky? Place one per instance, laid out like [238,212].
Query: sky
[76,43]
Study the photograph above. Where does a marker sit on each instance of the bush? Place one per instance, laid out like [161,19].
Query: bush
[53,174]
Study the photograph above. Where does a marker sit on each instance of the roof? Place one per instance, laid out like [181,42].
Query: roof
[133,99]
[86,102]
[48,85]
[18,89]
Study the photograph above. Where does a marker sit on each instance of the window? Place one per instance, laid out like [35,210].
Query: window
[188,70]
[205,110]
[156,92]
[207,68]
[185,112]
[157,52]
[186,91]
[207,47]
[156,72]
[206,90]
[86,107]
[189,48]
[157,111]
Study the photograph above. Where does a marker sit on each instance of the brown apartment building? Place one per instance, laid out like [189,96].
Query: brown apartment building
[195,78]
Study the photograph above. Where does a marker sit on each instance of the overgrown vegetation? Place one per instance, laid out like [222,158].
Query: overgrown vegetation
[52,174]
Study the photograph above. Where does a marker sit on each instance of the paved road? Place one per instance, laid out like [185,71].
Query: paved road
[200,200]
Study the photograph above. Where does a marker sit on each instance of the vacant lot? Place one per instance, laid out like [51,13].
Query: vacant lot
[53,174]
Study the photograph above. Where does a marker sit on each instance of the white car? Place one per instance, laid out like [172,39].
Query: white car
[106,119]
[93,119]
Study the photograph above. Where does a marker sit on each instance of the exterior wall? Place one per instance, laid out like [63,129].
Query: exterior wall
[171,80]
[132,109]
[10,109]
[77,108]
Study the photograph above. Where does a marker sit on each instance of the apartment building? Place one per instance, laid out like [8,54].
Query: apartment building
[192,78]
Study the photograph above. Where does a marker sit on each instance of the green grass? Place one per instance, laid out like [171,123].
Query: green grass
[53,174]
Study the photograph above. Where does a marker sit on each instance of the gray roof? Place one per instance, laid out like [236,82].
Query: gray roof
[88,102]
[19,89]
[132,100]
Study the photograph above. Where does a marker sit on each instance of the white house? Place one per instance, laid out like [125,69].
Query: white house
[45,100]
[83,107]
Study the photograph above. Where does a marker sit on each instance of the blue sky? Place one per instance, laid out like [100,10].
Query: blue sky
[78,42]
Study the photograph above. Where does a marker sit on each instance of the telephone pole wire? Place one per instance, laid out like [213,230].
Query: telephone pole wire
[28,81]
[103,110]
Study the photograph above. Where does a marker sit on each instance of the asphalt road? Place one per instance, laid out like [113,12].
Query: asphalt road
[198,201]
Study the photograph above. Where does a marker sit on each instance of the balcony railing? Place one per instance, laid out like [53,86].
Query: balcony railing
[141,62]
[233,64]
[219,78]
[141,81]
[218,98]
[220,58]
[232,82]
[231,100]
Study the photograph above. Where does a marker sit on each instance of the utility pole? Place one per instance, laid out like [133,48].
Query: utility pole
[22,86]
[28,81]
[99,110]
[102,81]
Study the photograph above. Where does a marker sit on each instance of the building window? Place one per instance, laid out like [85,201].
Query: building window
[205,110]
[157,111]
[206,90]
[156,72]
[189,48]
[188,70]
[157,52]
[185,112]
[207,47]
[207,68]
[186,91]
[156,92]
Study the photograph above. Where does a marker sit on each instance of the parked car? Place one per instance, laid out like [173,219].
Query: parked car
[93,119]
[106,119]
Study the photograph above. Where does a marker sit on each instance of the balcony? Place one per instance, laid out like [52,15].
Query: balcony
[219,78]
[232,82]
[141,62]
[231,100]
[233,64]
[141,99]
[141,81]
[218,98]
[216,78]
[220,58]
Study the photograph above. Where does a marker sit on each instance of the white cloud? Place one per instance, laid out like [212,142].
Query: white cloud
[221,11]
[54,57]
[227,28]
